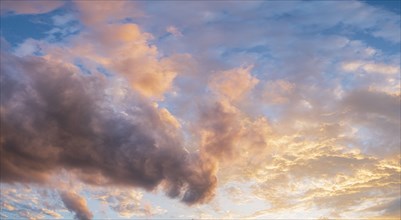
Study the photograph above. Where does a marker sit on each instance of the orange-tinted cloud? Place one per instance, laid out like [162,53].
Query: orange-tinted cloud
[30,7]
[233,84]
[106,12]
[123,49]
[76,204]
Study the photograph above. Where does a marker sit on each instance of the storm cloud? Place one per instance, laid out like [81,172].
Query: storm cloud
[56,118]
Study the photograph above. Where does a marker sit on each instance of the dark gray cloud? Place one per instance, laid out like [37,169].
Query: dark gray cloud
[53,117]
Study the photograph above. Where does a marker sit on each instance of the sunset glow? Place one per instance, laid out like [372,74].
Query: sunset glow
[200,109]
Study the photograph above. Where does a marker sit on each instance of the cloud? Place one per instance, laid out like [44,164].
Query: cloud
[7,206]
[84,124]
[76,204]
[24,201]
[174,31]
[29,7]
[313,165]
[60,20]
[375,116]
[384,104]
[389,209]
[106,12]
[51,213]
[278,91]
[318,175]
[231,137]
[105,36]
[127,203]
[370,67]
[233,84]
[296,126]
[167,117]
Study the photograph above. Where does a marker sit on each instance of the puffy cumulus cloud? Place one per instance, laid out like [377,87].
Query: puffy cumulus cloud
[54,118]
[121,48]
[76,204]
[229,136]
[29,7]
[133,56]
[233,84]
[139,62]
[150,77]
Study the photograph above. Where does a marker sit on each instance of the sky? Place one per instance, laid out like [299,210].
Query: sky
[200,110]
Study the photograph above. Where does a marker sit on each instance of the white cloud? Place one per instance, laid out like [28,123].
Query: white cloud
[370,67]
